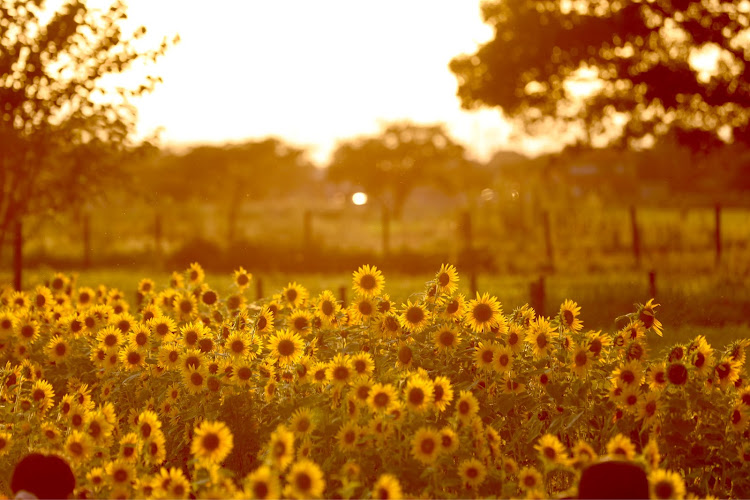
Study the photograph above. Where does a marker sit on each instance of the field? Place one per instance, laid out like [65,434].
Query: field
[196,386]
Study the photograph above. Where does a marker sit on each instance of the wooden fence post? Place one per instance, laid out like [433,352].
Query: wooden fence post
[258,289]
[548,240]
[342,294]
[536,291]
[86,240]
[717,232]
[652,284]
[17,254]
[473,283]
[636,236]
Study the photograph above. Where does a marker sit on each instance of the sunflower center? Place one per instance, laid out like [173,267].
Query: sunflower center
[541,340]
[211,441]
[651,407]
[60,349]
[736,417]
[291,295]
[6,324]
[487,356]
[446,338]
[192,361]
[472,472]
[134,358]
[677,373]
[27,331]
[452,307]
[326,308]
[243,280]
[504,360]
[646,319]
[444,279]
[303,481]
[723,370]
[186,306]
[482,313]
[627,376]
[196,379]
[262,322]
[300,323]
[529,481]
[363,391]
[237,346]
[368,282]
[341,373]
[77,420]
[95,429]
[244,373]
[191,337]
[513,338]
[260,489]
[110,340]
[663,489]
[427,446]
[124,325]
[700,360]
[416,396]
[447,441]
[365,308]
[38,395]
[303,425]
[635,351]
[438,392]
[581,359]
[391,324]
[381,400]
[404,355]
[463,407]
[74,448]
[568,317]
[128,451]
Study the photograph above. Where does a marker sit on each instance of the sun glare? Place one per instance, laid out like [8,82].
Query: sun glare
[359,198]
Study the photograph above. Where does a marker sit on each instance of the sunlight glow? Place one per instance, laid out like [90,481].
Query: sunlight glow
[359,198]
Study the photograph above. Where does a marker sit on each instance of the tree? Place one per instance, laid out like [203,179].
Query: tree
[390,165]
[639,60]
[61,134]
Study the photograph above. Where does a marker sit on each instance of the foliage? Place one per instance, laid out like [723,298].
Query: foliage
[61,137]
[636,60]
[403,156]
[297,396]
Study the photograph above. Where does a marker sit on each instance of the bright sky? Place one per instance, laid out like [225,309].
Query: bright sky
[312,72]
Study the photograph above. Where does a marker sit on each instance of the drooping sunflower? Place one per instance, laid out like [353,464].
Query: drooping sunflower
[304,480]
[551,450]
[442,392]
[405,354]
[212,440]
[664,484]
[418,394]
[620,447]
[154,448]
[540,335]
[472,472]
[482,313]
[262,484]
[287,347]
[466,406]
[568,315]
[647,315]
[387,487]
[368,281]
[425,445]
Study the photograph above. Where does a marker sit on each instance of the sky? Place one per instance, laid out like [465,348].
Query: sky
[311,72]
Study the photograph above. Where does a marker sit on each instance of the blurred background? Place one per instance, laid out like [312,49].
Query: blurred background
[549,149]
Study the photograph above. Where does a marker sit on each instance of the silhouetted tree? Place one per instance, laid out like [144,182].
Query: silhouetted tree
[61,135]
[390,165]
[641,55]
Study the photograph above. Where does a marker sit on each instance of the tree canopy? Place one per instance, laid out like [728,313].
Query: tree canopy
[403,156]
[61,133]
[651,68]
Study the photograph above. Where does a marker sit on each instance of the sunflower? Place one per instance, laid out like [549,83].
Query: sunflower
[739,418]
[621,447]
[583,454]
[472,472]
[466,406]
[405,355]
[551,450]
[98,428]
[529,479]
[677,373]
[129,447]
[482,313]
[286,347]
[666,484]
[484,355]
[212,440]
[163,328]
[195,274]
[514,338]
[295,295]
[327,307]
[347,436]
[304,480]
[539,336]
[453,308]
[649,406]
[120,473]
[72,325]
[389,325]
[727,372]
[300,321]
[442,393]
[340,370]
[7,324]
[269,390]
[647,315]
[242,278]
[363,363]
[78,447]
[446,338]
[185,305]
[154,448]
[418,394]
[27,329]
[381,397]
[387,487]
[581,360]
[109,337]
[629,373]
[425,445]
[147,423]
[446,279]
[77,416]
[302,423]
[629,398]
[362,309]
[57,349]
[656,377]
[264,322]
[361,390]
[368,281]
[261,484]
[195,379]
[132,357]
[95,478]
[6,440]
[568,316]
[281,447]
[238,344]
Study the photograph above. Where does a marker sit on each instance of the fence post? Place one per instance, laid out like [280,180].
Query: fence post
[636,236]
[473,283]
[17,253]
[386,222]
[258,289]
[717,232]
[548,240]
[307,228]
[652,284]
[86,241]
[536,290]
[342,294]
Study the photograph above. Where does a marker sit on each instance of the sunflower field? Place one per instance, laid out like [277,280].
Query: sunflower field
[183,393]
